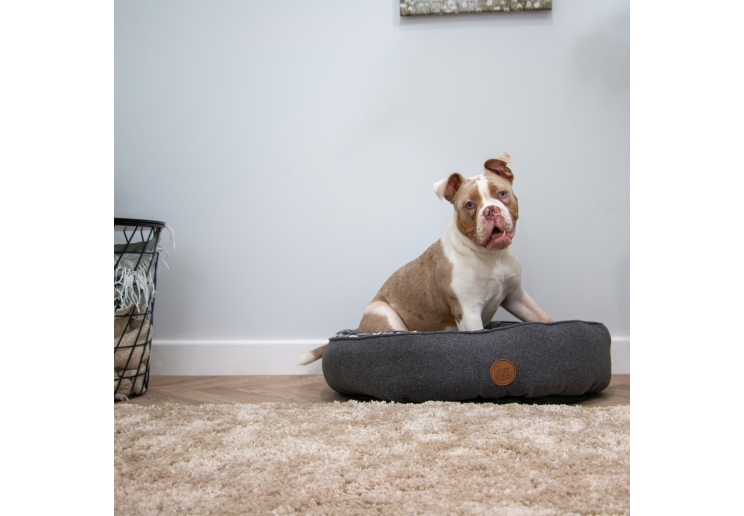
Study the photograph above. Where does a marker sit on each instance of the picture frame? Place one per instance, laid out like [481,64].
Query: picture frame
[427,7]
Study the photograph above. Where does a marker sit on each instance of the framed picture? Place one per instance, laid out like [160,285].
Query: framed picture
[424,7]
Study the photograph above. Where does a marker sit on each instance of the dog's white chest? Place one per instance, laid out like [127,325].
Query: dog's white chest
[485,283]
[481,281]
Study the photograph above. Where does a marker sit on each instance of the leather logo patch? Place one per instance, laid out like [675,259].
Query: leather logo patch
[503,372]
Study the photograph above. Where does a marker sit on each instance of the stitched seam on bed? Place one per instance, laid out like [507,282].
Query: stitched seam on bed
[474,332]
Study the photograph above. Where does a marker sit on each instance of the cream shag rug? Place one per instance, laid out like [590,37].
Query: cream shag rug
[371,458]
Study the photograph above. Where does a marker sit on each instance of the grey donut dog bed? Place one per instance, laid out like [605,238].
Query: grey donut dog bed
[559,362]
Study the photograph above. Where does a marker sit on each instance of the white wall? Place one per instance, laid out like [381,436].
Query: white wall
[292,146]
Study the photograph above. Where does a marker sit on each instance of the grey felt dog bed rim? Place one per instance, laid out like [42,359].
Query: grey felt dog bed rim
[562,361]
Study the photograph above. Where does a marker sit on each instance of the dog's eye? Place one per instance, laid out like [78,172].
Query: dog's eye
[470,205]
[502,195]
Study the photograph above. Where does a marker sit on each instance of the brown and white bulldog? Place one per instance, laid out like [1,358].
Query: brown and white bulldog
[462,279]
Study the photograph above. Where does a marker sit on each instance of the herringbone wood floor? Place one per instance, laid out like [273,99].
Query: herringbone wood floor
[295,389]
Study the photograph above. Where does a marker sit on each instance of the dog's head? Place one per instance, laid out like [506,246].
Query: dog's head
[485,206]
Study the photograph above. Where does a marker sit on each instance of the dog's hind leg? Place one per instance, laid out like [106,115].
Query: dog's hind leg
[380,316]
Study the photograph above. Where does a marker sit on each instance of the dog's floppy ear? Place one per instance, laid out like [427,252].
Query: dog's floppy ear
[498,166]
[447,187]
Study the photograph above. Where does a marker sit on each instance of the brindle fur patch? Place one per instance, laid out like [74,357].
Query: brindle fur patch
[499,184]
[421,293]
[374,323]
[467,220]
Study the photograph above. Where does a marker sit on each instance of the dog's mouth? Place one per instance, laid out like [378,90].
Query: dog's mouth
[499,238]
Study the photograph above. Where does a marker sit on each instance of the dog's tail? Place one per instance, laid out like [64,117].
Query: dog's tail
[312,356]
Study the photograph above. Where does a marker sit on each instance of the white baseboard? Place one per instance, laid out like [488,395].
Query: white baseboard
[250,357]
[231,357]
[620,353]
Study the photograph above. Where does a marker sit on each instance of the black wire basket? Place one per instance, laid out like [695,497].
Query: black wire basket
[136,253]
